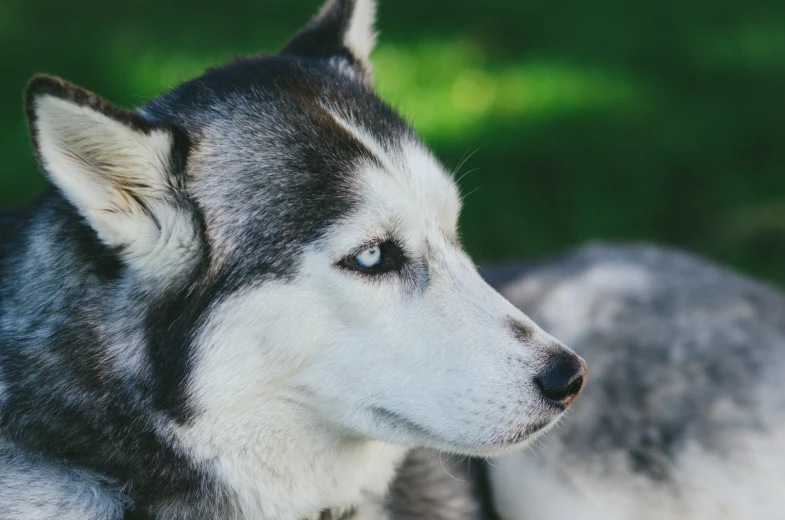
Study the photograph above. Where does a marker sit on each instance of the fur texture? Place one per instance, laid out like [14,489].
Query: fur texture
[683,418]
[185,329]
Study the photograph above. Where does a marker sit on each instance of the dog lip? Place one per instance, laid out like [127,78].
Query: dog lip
[526,432]
[396,418]
[399,420]
[518,437]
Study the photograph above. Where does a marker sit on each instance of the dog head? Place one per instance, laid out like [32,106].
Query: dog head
[297,244]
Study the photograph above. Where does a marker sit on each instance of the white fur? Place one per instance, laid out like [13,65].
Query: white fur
[417,166]
[281,460]
[290,375]
[360,37]
[359,34]
[101,164]
[364,137]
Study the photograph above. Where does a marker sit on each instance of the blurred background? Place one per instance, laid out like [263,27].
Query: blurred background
[571,121]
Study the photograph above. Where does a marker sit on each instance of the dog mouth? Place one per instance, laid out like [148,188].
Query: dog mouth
[526,433]
[401,424]
[398,421]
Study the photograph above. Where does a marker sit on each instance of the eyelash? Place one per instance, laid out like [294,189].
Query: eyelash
[393,259]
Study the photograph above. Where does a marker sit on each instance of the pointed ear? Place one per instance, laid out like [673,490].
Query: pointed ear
[343,28]
[113,165]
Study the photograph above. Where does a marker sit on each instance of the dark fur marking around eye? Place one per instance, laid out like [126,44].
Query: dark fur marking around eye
[393,259]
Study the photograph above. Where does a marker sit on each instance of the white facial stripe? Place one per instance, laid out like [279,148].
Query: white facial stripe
[365,138]
[415,176]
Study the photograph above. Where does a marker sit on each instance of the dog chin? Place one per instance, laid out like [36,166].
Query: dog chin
[512,440]
[400,430]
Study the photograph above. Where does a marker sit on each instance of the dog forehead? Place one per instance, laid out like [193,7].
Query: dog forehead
[294,122]
[265,92]
[410,188]
[405,179]
[283,149]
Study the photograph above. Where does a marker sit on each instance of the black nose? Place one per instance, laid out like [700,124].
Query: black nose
[563,378]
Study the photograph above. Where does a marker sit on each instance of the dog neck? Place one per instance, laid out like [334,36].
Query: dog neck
[287,466]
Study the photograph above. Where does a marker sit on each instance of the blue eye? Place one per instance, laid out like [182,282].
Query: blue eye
[376,259]
[369,257]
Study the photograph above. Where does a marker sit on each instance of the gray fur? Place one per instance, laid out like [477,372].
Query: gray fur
[683,355]
[174,310]
[32,489]
[436,486]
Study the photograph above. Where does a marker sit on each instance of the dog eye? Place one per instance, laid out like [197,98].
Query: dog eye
[370,257]
[376,259]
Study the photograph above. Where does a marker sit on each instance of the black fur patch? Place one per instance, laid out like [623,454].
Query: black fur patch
[62,400]
[43,84]
[323,38]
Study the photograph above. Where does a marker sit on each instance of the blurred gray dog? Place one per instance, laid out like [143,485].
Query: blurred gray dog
[684,414]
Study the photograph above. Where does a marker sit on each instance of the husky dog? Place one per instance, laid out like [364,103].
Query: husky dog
[685,414]
[247,299]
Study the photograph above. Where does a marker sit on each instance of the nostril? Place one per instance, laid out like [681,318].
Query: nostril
[575,386]
[563,379]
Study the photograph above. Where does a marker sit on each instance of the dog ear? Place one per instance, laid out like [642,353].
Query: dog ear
[113,165]
[343,28]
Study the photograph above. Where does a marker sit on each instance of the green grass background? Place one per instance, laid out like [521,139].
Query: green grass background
[652,120]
